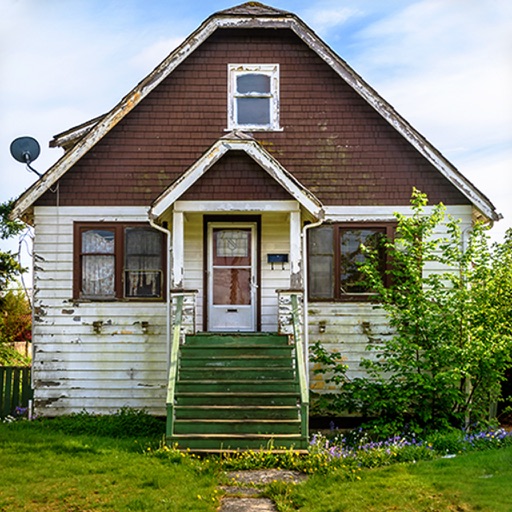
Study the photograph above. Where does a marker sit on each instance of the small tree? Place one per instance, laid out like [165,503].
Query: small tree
[452,339]
[9,266]
[15,314]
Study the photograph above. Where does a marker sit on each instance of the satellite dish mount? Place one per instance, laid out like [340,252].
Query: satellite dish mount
[26,150]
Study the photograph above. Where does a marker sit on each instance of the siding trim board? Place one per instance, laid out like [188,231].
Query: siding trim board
[238,18]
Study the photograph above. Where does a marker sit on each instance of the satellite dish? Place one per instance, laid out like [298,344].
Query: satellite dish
[25,149]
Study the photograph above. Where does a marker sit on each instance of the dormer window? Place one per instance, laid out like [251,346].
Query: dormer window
[253,97]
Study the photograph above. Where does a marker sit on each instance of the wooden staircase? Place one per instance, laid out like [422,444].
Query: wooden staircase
[237,392]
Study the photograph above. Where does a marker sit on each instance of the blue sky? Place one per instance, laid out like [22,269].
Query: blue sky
[445,65]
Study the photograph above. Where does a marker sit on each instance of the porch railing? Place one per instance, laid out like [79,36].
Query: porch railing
[301,366]
[173,364]
[15,389]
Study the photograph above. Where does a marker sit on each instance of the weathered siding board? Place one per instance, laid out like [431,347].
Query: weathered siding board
[275,239]
[347,330]
[76,367]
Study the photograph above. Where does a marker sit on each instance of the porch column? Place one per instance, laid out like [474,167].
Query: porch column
[178,250]
[295,252]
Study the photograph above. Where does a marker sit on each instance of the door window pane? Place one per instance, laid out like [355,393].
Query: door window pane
[232,247]
[232,286]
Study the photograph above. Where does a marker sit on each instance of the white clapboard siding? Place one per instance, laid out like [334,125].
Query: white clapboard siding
[79,364]
[75,367]
[349,326]
[275,239]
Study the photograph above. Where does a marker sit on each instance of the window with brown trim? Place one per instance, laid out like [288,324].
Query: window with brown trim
[335,254]
[118,261]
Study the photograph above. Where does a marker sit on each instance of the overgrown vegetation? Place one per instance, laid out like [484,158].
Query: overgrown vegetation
[15,314]
[119,462]
[123,424]
[467,482]
[47,470]
[449,303]
[9,266]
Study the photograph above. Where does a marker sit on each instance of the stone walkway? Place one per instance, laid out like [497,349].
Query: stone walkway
[244,492]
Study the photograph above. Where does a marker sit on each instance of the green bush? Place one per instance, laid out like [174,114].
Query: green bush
[125,423]
[452,330]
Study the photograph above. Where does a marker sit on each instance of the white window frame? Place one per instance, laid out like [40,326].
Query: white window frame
[270,70]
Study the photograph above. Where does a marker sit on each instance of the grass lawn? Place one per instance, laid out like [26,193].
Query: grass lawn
[44,470]
[477,481]
[47,471]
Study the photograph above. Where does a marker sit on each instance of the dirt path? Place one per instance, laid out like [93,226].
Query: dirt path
[244,492]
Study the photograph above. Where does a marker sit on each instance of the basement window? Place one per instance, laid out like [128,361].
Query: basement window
[118,261]
[253,97]
[334,255]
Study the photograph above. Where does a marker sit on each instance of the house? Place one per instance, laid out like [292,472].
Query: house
[191,241]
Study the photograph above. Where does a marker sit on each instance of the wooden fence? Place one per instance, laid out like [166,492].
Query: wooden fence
[15,389]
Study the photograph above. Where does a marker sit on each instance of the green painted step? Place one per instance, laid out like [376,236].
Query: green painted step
[236,412]
[242,340]
[221,352]
[236,386]
[235,399]
[236,442]
[242,374]
[256,361]
[237,391]
[230,426]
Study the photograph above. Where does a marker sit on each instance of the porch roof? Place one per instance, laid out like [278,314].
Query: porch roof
[237,141]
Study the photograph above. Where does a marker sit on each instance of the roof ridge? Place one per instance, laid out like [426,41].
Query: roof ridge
[252,9]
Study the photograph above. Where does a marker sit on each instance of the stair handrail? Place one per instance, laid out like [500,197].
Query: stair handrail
[173,363]
[299,351]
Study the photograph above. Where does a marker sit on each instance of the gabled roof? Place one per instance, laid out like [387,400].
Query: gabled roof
[237,141]
[253,9]
[249,15]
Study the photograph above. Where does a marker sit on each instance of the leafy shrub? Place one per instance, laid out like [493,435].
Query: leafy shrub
[9,356]
[124,423]
[16,317]
[452,340]
[447,442]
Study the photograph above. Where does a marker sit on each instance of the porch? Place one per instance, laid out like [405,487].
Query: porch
[236,391]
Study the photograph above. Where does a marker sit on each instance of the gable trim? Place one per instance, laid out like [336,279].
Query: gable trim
[259,154]
[227,20]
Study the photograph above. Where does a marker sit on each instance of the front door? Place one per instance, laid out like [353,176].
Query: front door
[231,274]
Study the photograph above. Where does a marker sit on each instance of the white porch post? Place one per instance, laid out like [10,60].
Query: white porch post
[178,246]
[295,252]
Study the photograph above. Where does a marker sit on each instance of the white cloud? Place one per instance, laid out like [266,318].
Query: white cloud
[155,53]
[323,19]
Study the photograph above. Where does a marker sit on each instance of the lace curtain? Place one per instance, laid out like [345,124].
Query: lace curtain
[143,263]
[98,263]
